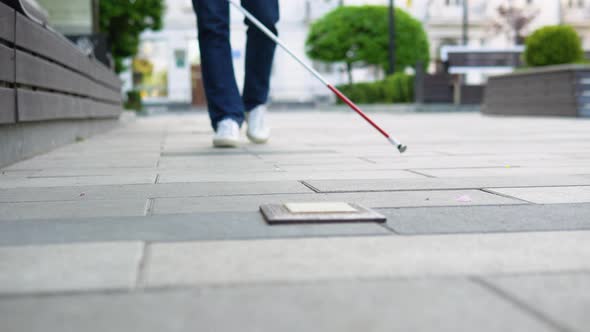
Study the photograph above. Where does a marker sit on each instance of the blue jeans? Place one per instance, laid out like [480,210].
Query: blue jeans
[222,92]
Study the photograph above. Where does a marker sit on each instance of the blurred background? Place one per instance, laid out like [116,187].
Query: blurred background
[454,45]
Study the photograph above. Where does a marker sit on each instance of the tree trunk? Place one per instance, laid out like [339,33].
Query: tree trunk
[349,71]
[95,17]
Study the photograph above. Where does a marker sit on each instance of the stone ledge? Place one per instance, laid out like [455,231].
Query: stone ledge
[25,140]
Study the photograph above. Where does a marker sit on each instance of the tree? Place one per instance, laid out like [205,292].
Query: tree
[553,45]
[359,34]
[124,20]
[513,21]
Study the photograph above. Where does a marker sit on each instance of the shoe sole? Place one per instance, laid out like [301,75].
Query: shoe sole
[257,140]
[225,143]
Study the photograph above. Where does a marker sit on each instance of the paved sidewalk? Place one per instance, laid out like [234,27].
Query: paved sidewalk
[148,228]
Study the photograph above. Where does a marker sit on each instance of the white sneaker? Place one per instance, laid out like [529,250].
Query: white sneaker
[257,131]
[227,134]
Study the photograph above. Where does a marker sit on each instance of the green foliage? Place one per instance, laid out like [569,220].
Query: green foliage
[397,88]
[363,93]
[133,101]
[360,34]
[124,20]
[553,45]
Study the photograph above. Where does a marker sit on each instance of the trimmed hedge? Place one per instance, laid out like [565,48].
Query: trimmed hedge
[397,88]
[553,45]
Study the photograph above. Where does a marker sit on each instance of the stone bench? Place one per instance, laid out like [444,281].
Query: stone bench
[549,91]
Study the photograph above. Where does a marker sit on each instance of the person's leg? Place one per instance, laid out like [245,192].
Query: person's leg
[259,52]
[223,96]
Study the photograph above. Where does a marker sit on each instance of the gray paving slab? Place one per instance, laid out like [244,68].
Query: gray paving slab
[84,150]
[475,160]
[18,174]
[280,175]
[83,172]
[385,305]
[197,147]
[506,171]
[368,199]
[563,298]
[229,164]
[85,162]
[67,181]
[208,153]
[145,191]
[545,195]
[409,162]
[355,166]
[237,248]
[348,185]
[486,219]
[313,259]
[186,227]
[72,209]
[251,151]
[75,267]
[320,159]
[494,149]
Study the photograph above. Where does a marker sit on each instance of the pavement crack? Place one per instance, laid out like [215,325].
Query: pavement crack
[389,228]
[310,186]
[149,207]
[142,265]
[520,304]
[367,160]
[420,173]
[492,192]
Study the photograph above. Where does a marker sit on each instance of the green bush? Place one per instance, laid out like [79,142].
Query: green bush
[553,45]
[360,34]
[124,21]
[361,92]
[133,101]
[397,88]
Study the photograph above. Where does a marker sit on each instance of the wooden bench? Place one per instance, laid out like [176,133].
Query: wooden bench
[44,77]
[50,92]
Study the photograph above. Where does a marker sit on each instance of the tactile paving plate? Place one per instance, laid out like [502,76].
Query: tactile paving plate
[277,214]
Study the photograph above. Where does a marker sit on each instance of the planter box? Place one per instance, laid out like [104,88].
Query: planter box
[549,91]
